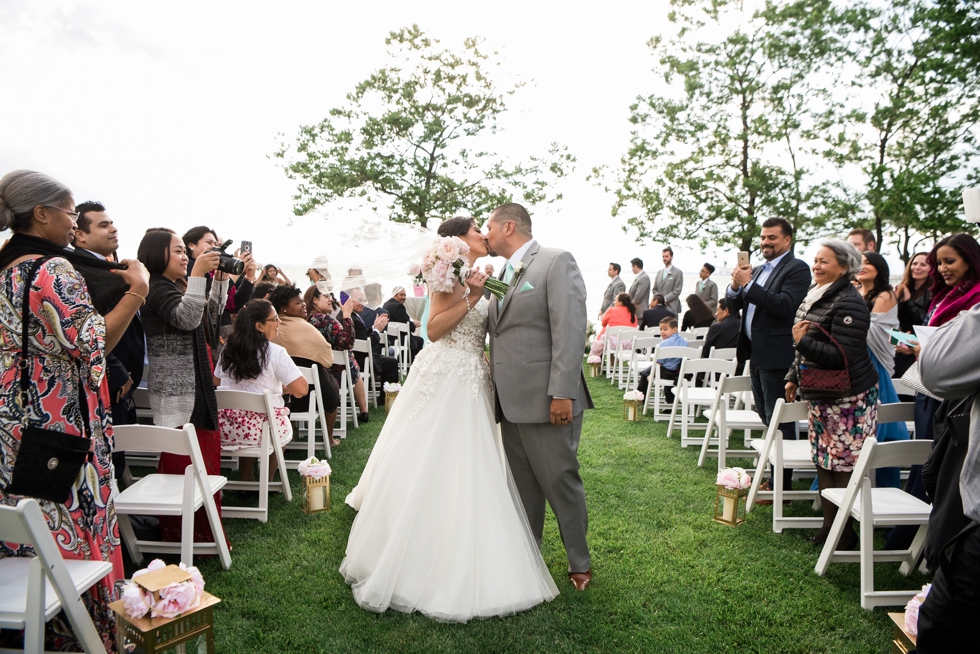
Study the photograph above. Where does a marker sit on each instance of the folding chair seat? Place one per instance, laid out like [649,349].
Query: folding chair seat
[689,399]
[878,507]
[782,454]
[655,390]
[306,421]
[724,419]
[268,446]
[170,495]
[371,386]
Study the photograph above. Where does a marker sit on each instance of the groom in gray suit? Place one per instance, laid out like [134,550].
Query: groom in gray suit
[537,337]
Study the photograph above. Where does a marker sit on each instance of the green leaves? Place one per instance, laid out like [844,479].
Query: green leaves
[402,137]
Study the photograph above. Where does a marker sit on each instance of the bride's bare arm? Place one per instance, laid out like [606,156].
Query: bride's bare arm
[448,309]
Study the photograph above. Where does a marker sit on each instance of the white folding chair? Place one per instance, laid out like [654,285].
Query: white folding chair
[403,349]
[370,380]
[141,399]
[33,589]
[723,352]
[622,354]
[268,445]
[690,399]
[699,332]
[725,419]
[607,351]
[782,454]
[878,507]
[170,495]
[640,357]
[306,421]
[657,384]
[348,407]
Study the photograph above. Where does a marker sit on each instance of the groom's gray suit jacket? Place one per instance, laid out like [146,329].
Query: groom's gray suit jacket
[537,338]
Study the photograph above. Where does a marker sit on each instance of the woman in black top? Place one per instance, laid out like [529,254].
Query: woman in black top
[698,314]
[914,298]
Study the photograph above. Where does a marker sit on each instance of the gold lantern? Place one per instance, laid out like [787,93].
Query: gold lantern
[730,505]
[594,369]
[631,410]
[192,631]
[316,494]
[390,397]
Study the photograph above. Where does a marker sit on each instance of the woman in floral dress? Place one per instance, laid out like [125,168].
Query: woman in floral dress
[340,335]
[838,425]
[68,343]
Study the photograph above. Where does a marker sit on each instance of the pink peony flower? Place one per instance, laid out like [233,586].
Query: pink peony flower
[912,610]
[449,249]
[734,478]
[313,467]
[134,600]
[195,577]
[415,270]
[176,599]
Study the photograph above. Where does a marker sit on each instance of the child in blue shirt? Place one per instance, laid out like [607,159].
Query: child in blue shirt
[669,368]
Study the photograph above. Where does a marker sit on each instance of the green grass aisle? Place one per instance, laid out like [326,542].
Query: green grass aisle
[667,578]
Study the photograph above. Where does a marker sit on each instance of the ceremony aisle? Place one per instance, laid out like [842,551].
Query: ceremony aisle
[667,578]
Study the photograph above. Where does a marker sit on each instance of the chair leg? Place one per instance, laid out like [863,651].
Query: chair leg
[283,473]
[129,538]
[263,464]
[187,519]
[34,622]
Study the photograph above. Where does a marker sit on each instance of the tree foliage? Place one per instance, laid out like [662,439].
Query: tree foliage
[409,134]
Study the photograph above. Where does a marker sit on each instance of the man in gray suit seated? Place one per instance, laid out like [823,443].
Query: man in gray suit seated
[669,282]
[707,290]
[616,286]
[640,290]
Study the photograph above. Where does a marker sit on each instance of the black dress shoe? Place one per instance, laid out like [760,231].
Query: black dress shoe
[363,417]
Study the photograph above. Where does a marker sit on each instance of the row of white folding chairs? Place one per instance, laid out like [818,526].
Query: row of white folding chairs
[403,345]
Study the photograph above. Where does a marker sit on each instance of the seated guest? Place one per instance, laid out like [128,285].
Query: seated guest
[669,368]
[658,311]
[398,313]
[914,297]
[307,347]
[340,334]
[263,290]
[621,314]
[366,313]
[723,333]
[697,315]
[385,367]
[249,362]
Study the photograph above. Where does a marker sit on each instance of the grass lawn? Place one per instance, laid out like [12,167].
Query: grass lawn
[667,578]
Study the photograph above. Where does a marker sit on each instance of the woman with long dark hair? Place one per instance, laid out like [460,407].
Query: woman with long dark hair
[339,332]
[698,314]
[621,314]
[249,362]
[914,297]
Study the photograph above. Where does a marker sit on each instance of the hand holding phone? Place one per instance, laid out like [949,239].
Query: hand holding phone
[343,297]
[246,247]
[743,258]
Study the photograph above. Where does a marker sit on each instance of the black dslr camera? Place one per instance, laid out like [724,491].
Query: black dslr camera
[228,263]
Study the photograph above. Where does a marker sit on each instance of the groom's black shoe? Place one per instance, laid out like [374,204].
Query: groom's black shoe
[581,580]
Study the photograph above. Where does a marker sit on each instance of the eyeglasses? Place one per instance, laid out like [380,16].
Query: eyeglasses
[73,214]
[277,319]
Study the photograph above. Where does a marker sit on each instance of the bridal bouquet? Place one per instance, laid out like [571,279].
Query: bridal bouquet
[172,600]
[446,260]
[734,478]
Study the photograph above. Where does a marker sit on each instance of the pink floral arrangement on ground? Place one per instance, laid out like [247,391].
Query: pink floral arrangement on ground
[174,599]
[390,387]
[445,262]
[633,396]
[313,467]
[912,610]
[734,478]
[594,359]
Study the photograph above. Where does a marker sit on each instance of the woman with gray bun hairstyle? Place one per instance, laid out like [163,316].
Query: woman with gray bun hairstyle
[831,333]
[67,390]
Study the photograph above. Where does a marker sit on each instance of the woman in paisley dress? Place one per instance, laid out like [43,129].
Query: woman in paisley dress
[68,343]
[441,528]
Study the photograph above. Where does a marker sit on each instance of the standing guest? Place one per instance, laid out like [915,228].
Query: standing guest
[883,305]
[398,313]
[616,286]
[669,368]
[707,289]
[250,362]
[950,368]
[201,239]
[914,297]
[838,425]
[180,381]
[658,311]
[640,289]
[307,346]
[621,314]
[697,315]
[273,275]
[65,361]
[862,239]
[339,332]
[96,236]
[768,298]
[669,282]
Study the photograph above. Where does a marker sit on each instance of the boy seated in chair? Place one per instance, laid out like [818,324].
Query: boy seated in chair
[669,368]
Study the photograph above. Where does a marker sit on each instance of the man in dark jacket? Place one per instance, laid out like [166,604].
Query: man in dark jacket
[398,313]
[768,297]
[385,367]
[658,311]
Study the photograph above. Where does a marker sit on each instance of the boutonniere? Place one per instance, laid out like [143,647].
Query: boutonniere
[519,270]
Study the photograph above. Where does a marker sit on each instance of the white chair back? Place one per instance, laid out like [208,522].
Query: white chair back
[347,405]
[723,352]
[307,420]
[362,346]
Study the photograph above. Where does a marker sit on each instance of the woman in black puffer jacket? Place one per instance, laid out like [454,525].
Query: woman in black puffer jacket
[838,425]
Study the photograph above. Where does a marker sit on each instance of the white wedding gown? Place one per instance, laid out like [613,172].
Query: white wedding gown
[441,528]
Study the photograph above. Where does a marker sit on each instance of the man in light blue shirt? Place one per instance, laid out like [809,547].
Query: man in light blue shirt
[669,368]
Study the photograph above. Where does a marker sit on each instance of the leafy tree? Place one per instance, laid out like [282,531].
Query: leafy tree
[729,144]
[410,132]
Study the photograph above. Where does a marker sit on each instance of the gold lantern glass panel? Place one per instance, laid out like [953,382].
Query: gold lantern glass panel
[631,410]
[730,505]
[316,494]
[390,397]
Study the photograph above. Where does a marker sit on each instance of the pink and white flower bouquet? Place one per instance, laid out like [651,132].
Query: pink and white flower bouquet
[912,610]
[593,358]
[734,478]
[313,467]
[633,396]
[174,599]
[392,387]
[445,262]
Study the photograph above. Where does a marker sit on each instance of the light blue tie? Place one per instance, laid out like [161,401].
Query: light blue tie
[508,273]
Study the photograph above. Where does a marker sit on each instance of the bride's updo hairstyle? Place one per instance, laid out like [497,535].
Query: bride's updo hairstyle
[458,226]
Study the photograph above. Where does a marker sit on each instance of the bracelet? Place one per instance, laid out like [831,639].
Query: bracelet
[142,298]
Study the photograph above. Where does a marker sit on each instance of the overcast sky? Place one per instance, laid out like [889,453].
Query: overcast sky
[168,112]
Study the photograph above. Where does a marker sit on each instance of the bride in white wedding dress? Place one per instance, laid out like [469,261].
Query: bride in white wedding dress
[440,526]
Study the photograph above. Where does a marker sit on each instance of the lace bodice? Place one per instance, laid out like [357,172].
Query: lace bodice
[460,352]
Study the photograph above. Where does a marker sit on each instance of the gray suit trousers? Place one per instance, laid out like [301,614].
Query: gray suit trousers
[543,459]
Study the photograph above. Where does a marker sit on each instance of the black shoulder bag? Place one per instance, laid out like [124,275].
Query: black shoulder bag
[48,461]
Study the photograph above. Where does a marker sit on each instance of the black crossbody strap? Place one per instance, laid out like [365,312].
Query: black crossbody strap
[25,381]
